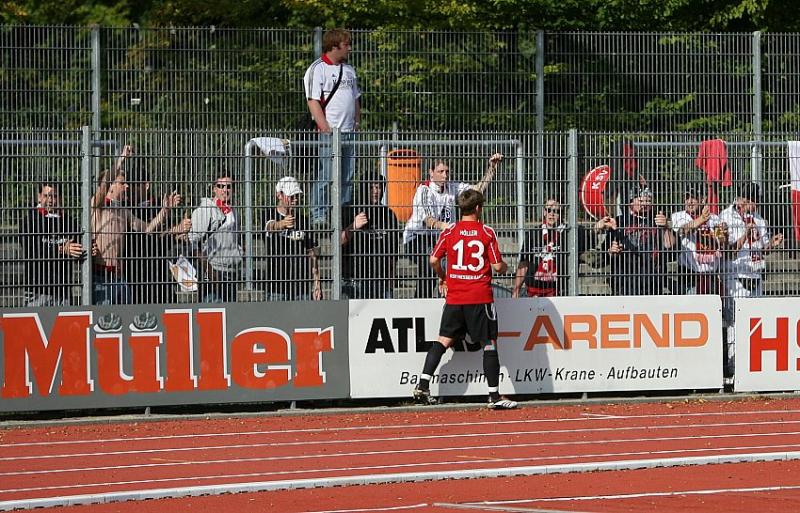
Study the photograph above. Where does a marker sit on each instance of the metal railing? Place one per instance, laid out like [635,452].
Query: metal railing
[141,246]
[246,79]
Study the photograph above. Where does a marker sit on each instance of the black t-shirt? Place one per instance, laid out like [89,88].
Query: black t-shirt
[640,268]
[547,254]
[147,256]
[372,250]
[286,267]
[47,270]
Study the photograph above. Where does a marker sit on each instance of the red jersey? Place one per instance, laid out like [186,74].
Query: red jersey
[470,247]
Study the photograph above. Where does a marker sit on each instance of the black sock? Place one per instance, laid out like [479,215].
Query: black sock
[491,369]
[432,360]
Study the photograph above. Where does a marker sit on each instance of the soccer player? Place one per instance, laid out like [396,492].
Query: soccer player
[472,253]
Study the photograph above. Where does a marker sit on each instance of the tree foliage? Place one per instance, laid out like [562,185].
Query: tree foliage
[461,15]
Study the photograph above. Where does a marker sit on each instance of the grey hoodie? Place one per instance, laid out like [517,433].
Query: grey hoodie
[218,236]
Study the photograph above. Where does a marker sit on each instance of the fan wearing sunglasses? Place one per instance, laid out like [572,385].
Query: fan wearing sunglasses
[543,263]
[215,230]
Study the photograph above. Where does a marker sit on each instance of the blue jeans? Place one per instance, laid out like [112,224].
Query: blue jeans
[320,194]
[110,289]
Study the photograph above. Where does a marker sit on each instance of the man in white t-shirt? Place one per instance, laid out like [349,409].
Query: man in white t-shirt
[743,269]
[339,108]
[434,211]
[703,237]
[749,241]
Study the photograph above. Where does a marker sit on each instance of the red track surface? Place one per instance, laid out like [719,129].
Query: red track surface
[106,458]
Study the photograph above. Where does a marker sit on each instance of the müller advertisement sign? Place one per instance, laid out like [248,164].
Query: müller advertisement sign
[767,344]
[157,355]
[554,345]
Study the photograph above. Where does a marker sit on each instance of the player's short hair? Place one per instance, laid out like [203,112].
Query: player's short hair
[469,201]
[333,38]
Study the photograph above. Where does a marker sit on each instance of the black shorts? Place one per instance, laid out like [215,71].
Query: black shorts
[480,321]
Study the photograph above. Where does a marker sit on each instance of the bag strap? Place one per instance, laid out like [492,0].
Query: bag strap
[335,87]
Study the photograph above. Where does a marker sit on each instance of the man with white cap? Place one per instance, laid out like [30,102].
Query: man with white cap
[291,251]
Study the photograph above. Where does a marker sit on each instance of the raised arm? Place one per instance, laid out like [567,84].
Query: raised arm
[494,160]
[106,177]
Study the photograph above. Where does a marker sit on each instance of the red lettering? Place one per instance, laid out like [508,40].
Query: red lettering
[309,344]
[779,344]
[27,350]
[213,361]
[180,363]
[256,347]
[111,375]
[797,341]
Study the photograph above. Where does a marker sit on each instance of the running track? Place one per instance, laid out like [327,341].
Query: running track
[675,456]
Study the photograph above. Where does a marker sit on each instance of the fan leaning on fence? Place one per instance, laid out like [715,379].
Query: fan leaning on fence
[112,219]
[215,233]
[434,207]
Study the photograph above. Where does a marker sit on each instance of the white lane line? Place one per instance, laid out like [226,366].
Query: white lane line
[378,467]
[482,507]
[293,457]
[404,427]
[349,441]
[674,493]
[390,508]
[387,478]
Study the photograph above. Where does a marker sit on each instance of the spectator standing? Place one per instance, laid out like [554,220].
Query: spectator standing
[749,242]
[51,250]
[292,253]
[433,212]
[543,262]
[370,244]
[703,236]
[111,221]
[333,97]
[149,276]
[215,232]
[638,247]
[472,254]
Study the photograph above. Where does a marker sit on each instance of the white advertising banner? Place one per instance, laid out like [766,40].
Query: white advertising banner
[553,345]
[767,332]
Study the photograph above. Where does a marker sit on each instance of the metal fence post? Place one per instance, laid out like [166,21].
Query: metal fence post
[248,218]
[317,42]
[96,94]
[96,60]
[336,214]
[86,213]
[572,167]
[522,216]
[756,152]
[539,200]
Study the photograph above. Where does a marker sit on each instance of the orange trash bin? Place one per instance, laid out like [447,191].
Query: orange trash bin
[403,175]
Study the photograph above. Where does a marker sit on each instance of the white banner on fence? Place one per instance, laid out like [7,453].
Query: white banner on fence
[557,345]
[767,334]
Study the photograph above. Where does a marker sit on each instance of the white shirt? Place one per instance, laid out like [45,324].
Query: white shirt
[749,261]
[319,80]
[431,200]
[705,258]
